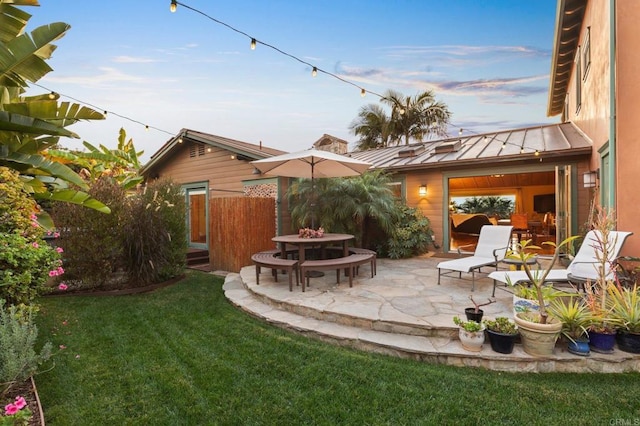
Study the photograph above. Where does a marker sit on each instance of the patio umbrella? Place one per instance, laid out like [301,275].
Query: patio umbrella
[311,164]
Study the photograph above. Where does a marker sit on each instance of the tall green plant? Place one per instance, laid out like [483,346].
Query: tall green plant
[92,241]
[27,262]
[348,205]
[31,125]
[155,234]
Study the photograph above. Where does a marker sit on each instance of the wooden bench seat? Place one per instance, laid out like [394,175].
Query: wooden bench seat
[349,262]
[357,250]
[270,259]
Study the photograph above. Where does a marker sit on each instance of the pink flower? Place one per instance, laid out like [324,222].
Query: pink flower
[34,217]
[62,286]
[36,245]
[60,270]
[10,409]
[62,347]
[20,403]
[59,249]
[34,224]
[53,273]
[56,234]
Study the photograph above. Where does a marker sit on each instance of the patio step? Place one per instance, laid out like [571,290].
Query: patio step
[436,346]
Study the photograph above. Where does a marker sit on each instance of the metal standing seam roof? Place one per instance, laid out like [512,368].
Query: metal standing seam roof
[556,140]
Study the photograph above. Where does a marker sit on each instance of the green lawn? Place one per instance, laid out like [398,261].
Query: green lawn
[184,355]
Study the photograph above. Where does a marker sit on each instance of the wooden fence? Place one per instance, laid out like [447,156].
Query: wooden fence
[239,227]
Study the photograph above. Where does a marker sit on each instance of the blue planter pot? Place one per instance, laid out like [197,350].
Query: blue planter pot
[602,342]
[579,347]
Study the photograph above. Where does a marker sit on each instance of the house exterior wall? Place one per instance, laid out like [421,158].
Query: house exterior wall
[431,205]
[224,174]
[593,116]
[627,123]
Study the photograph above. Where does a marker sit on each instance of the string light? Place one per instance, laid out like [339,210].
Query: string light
[52,95]
[105,112]
[146,127]
[174,6]
[537,153]
[254,41]
[314,72]
[460,132]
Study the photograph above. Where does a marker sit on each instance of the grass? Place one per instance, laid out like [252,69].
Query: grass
[184,355]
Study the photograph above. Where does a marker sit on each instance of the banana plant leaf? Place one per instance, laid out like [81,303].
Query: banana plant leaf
[75,197]
[11,122]
[37,161]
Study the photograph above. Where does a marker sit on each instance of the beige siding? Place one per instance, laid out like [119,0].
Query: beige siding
[224,174]
[431,204]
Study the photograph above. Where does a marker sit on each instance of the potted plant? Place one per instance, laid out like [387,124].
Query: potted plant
[502,333]
[602,332]
[525,297]
[475,313]
[576,318]
[625,309]
[539,332]
[470,333]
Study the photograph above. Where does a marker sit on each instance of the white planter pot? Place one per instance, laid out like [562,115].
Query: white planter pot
[471,340]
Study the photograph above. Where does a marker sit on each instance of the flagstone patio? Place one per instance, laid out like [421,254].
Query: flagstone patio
[401,312]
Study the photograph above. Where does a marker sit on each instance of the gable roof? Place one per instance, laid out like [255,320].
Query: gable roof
[554,140]
[569,16]
[249,150]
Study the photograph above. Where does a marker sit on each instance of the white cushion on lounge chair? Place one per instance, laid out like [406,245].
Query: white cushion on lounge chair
[583,266]
[491,248]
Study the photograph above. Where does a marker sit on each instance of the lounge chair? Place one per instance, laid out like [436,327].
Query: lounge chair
[582,268]
[491,249]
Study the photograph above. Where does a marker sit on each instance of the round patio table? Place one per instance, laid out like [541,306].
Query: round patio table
[303,243]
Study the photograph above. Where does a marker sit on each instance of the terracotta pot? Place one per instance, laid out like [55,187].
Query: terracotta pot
[538,339]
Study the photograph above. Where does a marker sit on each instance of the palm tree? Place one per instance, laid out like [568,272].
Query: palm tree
[416,117]
[374,127]
[411,118]
[346,205]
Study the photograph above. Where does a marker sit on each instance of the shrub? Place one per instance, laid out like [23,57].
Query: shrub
[27,262]
[92,241]
[412,235]
[18,334]
[155,235]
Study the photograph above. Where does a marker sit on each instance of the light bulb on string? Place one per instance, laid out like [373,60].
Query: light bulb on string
[52,95]
[314,72]
[253,44]
[363,92]
[105,112]
[460,132]
[537,153]
[146,127]
[174,6]
[521,150]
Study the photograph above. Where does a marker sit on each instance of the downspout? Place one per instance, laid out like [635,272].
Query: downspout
[611,179]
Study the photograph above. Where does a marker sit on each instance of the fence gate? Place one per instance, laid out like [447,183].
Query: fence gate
[239,227]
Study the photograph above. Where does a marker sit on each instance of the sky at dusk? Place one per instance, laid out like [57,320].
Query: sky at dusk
[488,60]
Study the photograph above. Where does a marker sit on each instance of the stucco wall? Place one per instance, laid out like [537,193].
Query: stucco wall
[592,117]
[628,121]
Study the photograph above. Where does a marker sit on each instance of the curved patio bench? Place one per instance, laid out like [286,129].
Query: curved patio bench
[349,262]
[357,250]
[270,259]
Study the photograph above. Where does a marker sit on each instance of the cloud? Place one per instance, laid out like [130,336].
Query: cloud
[106,77]
[133,60]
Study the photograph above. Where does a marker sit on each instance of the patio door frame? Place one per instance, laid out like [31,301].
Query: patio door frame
[197,188]
[569,189]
